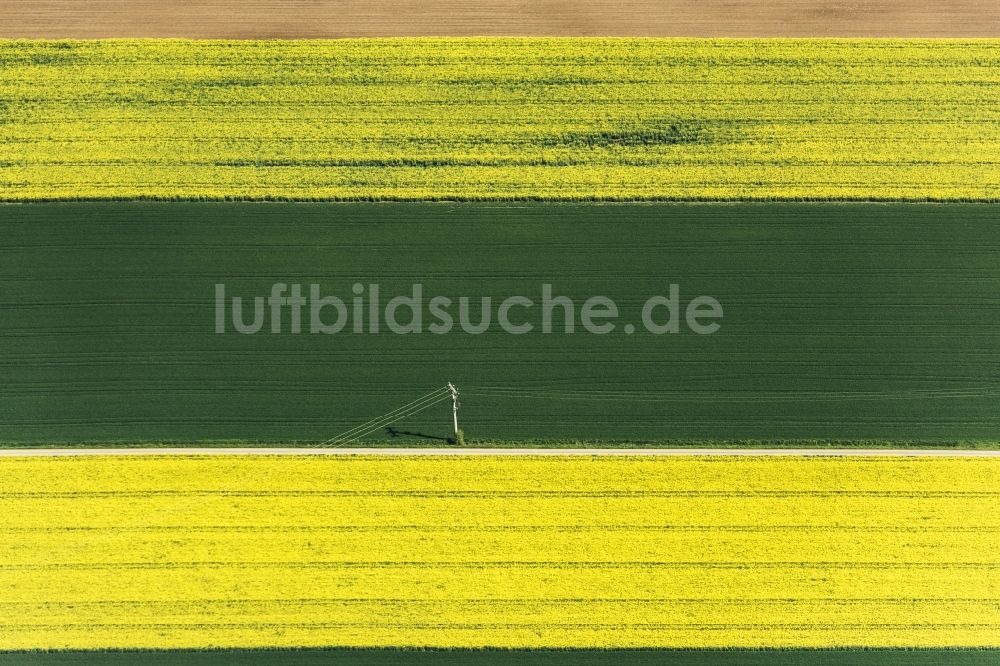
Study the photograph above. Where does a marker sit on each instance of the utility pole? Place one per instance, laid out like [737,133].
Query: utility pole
[454,408]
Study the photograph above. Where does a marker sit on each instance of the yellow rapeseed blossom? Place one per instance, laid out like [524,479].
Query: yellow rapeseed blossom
[551,118]
[255,551]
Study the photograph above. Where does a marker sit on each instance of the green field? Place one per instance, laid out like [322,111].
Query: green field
[515,657]
[845,323]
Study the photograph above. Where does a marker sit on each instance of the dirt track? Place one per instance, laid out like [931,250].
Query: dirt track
[245,19]
[32,453]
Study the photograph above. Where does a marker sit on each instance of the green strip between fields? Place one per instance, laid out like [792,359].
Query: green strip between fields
[512,657]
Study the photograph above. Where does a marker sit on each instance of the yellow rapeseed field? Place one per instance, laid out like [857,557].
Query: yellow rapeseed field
[210,551]
[567,119]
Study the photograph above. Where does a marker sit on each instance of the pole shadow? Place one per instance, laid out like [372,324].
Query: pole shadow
[394,433]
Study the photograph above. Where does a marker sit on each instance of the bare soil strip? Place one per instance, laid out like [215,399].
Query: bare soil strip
[260,19]
[191,451]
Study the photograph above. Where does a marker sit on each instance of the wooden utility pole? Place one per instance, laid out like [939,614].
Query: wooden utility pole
[454,409]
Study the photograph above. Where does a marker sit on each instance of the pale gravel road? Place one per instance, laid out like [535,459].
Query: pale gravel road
[932,453]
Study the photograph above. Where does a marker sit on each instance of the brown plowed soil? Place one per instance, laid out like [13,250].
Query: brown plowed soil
[246,19]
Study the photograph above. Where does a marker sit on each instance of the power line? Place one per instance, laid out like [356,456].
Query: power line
[395,414]
[392,419]
[694,395]
[449,392]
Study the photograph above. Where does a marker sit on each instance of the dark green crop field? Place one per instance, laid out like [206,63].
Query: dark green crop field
[872,324]
[308,657]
